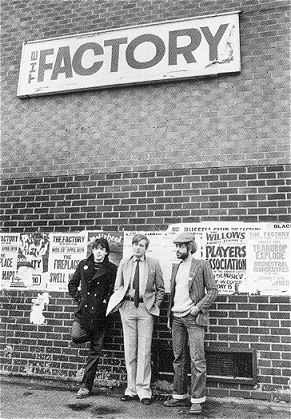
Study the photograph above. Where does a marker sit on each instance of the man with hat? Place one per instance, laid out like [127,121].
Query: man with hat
[193,289]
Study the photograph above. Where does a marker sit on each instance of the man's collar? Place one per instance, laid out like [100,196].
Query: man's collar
[135,258]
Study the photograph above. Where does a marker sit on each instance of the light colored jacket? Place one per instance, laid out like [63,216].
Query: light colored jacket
[202,289]
[154,290]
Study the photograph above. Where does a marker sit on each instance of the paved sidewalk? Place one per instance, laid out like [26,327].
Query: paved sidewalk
[24,398]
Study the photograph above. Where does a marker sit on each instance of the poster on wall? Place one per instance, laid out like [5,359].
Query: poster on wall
[115,241]
[159,248]
[9,253]
[32,264]
[225,249]
[28,254]
[251,258]
[269,259]
[224,246]
[66,251]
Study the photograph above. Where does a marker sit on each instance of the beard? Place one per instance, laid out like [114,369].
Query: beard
[182,256]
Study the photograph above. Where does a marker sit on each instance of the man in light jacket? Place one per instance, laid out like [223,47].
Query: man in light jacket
[193,289]
[138,294]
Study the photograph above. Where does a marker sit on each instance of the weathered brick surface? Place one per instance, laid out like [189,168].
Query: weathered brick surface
[47,350]
[235,120]
[146,200]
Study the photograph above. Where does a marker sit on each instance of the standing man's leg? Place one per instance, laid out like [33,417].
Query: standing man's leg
[145,326]
[96,345]
[96,338]
[179,336]
[179,340]
[79,334]
[198,363]
[129,324]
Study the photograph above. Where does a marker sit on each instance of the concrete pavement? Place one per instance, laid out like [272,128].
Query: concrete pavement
[25,398]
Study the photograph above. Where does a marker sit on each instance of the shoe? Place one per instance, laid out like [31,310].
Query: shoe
[82,393]
[176,402]
[127,398]
[195,408]
[146,401]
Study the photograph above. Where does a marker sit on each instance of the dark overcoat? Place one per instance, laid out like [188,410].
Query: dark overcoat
[91,290]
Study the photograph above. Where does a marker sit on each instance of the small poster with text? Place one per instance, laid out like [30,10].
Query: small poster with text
[9,253]
[66,251]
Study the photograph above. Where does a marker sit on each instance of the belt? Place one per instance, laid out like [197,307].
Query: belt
[128,298]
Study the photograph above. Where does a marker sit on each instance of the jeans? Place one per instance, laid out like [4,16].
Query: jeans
[96,338]
[183,329]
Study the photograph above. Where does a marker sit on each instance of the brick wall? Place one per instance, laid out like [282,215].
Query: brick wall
[240,119]
[260,323]
[147,200]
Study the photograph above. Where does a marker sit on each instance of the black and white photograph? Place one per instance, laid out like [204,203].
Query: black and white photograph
[145,209]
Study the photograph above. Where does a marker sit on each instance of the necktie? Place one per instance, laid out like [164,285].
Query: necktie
[136,283]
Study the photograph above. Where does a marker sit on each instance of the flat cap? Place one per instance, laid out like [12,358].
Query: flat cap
[184,238]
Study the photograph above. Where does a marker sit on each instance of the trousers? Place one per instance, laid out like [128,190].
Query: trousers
[184,331]
[137,324]
[96,338]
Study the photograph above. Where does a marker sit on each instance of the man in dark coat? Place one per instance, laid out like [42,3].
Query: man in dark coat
[95,276]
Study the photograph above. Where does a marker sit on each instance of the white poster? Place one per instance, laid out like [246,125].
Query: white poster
[9,253]
[24,260]
[225,249]
[224,245]
[66,251]
[32,265]
[269,259]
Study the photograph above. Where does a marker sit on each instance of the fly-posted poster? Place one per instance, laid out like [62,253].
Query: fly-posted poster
[252,258]
[24,260]
[244,257]
[66,251]
[269,259]
[9,253]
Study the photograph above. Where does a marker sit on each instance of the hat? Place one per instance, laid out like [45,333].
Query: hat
[184,238]
[187,238]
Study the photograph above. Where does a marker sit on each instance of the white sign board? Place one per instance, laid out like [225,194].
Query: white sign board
[177,49]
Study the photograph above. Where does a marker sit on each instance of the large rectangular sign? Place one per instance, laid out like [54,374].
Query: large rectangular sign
[177,49]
